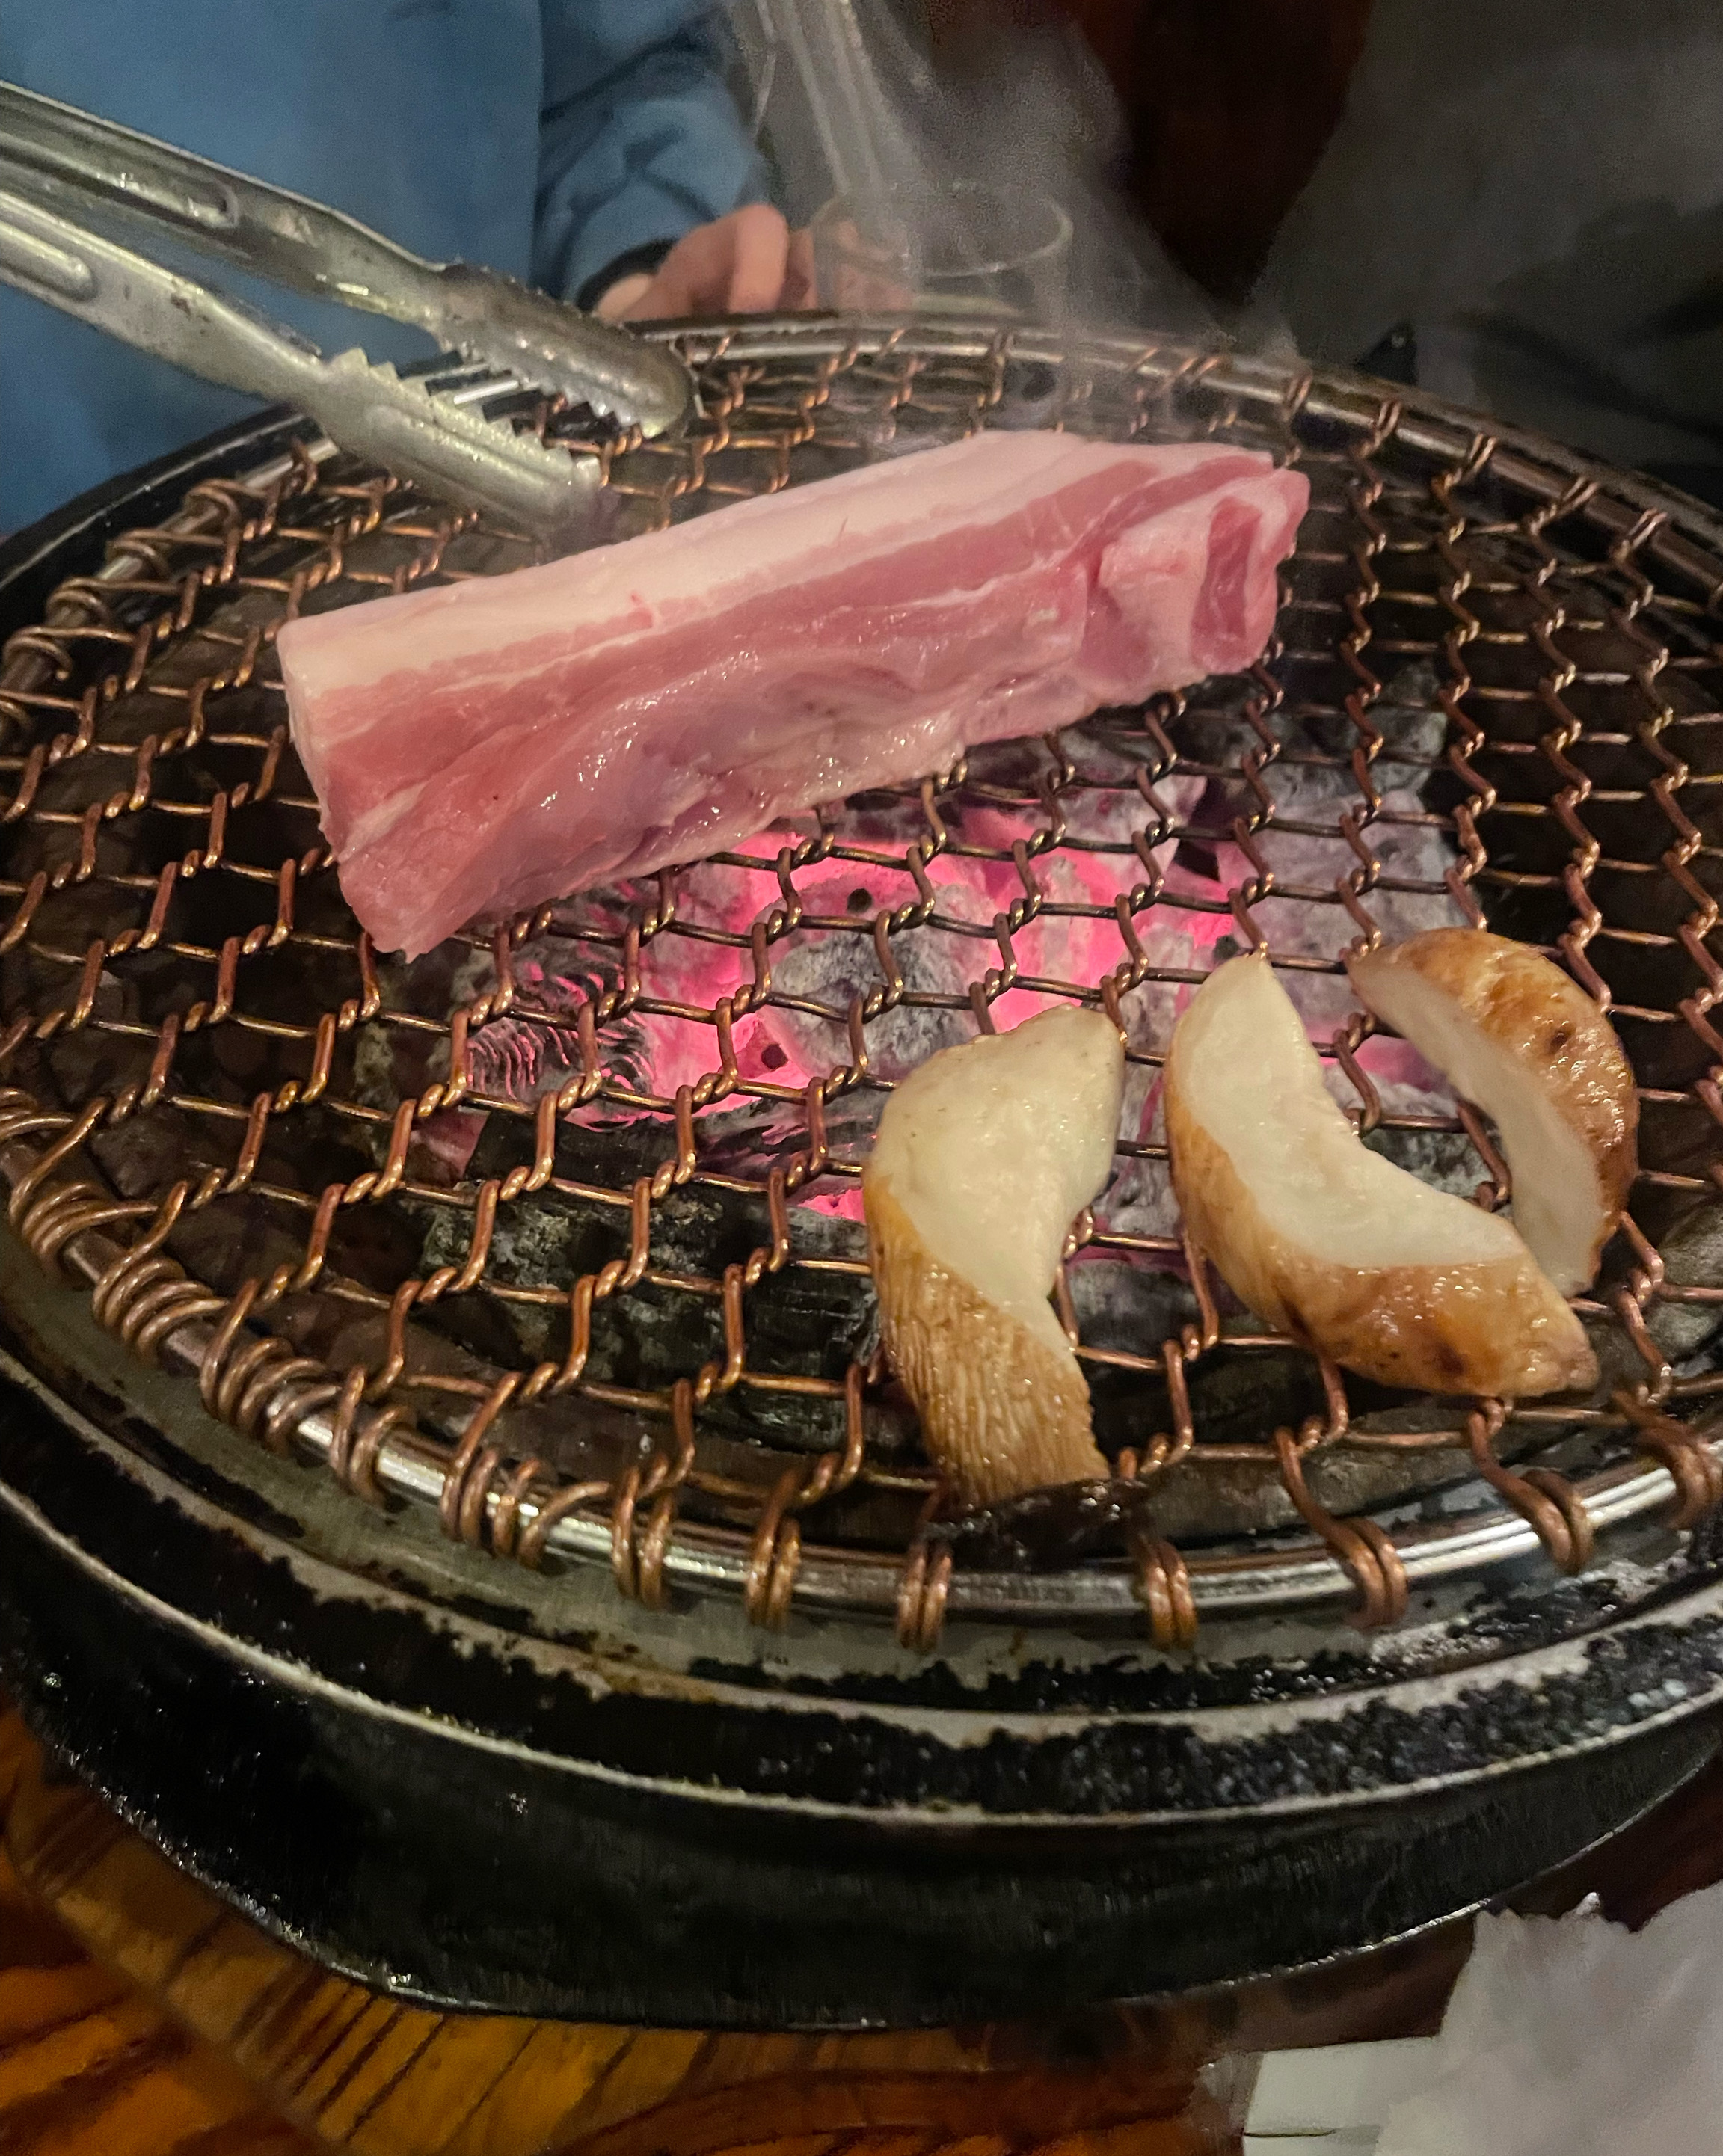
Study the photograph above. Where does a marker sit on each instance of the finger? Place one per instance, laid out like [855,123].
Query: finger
[735,264]
[618,304]
[689,281]
[798,292]
[761,241]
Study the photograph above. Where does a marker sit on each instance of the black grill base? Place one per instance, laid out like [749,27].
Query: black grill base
[456,1865]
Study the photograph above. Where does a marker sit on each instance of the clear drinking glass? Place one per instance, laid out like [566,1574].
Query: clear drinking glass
[968,247]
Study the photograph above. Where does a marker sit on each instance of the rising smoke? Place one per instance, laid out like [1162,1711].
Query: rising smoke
[848,99]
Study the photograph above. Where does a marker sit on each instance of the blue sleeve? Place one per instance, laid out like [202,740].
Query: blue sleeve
[640,139]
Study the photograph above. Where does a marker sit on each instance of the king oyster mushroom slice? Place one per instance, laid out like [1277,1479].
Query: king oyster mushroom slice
[1326,1240]
[1513,1032]
[985,1155]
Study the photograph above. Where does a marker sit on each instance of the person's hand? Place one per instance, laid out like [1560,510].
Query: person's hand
[747,263]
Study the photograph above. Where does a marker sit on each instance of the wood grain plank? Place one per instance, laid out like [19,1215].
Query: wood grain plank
[223,1988]
[207,2038]
[247,2135]
[1028,2108]
[916,2141]
[36,1998]
[652,2063]
[89,2066]
[76,2051]
[415,2111]
[530,2107]
[29,1936]
[971,2144]
[172,2091]
[192,2033]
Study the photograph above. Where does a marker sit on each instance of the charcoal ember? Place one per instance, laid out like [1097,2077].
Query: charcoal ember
[1311,784]
[520,1058]
[1149,1010]
[801,1321]
[534,1047]
[926,425]
[868,1513]
[1030,394]
[80,1062]
[1067,934]
[1242,1395]
[1313,778]
[1048,1530]
[386,1059]
[1124,1304]
[1113,809]
[235,1239]
[1294,927]
[996,769]
[612,1148]
[145,1155]
[1203,1504]
[1346,1479]
[1238,1396]
[1692,1257]
[389,1063]
[835,969]
[1140,1201]
[893,819]
[870,1516]
[1446,1159]
[431,987]
[596,1441]
[644,1338]
[1129,1308]
[774,1134]
[853,429]
[1676,1137]
[1198,1504]
[1692,1252]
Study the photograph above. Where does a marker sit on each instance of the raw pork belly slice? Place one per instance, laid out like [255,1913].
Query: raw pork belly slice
[481,747]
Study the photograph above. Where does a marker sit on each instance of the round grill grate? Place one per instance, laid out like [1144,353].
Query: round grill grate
[558,1228]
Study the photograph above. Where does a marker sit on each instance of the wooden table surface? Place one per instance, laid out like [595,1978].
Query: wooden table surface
[140,2017]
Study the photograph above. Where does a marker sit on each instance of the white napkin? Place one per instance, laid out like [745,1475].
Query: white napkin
[1572,2036]
[1331,2100]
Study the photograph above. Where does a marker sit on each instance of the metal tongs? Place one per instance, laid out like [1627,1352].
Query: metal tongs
[67,177]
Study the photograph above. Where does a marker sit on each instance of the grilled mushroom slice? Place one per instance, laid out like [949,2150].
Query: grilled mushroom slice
[1329,1241]
[985,1155]
[1512,1032]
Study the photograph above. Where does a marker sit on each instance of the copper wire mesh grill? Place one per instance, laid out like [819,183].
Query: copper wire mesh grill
[557,1228]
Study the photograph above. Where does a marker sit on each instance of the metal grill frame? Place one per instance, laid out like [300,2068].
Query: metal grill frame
[489,1497]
